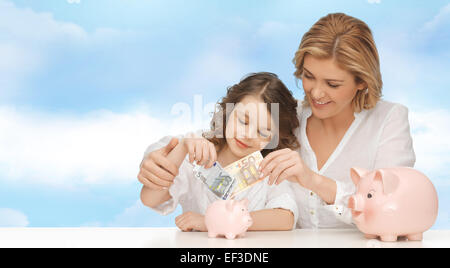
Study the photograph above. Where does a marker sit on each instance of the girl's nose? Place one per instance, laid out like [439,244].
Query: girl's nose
[247,132]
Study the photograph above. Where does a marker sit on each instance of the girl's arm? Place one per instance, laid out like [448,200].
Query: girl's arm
[153,198]
[274,219]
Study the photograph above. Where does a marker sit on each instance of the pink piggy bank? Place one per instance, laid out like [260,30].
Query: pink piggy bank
[393,202]
[228,217]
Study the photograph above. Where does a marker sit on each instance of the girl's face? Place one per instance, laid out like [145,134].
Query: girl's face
[328,88]
[249,127]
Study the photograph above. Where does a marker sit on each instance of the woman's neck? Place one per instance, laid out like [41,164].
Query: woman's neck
[225,156]
[339,122]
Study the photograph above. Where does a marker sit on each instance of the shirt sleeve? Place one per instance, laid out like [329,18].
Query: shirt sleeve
[395,146]
[282,196]
[343,192]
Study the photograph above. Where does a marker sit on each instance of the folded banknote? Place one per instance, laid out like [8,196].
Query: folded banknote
[216,179]
[238,176]
[245,171]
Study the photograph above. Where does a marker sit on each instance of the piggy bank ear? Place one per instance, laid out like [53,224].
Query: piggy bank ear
[390,180]
[356,173]
[230,205]
[244,202]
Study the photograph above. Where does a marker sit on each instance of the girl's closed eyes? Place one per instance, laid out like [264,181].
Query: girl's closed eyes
[263,132]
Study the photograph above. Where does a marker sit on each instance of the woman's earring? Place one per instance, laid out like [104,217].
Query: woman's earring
[366,91]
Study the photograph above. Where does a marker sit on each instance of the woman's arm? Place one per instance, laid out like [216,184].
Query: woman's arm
[154,197]
[199,149]
[275,219]
[287,164]
[324,187]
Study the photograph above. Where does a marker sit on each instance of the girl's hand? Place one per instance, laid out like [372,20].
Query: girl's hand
[286,164]
[200,150]
[190,221]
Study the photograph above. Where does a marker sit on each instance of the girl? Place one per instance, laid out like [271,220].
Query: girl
[271,208]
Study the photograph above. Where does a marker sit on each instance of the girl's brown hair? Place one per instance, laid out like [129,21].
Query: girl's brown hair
[349,41]
[270,89]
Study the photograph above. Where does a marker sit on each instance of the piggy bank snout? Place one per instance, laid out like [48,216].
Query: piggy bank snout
[356,203]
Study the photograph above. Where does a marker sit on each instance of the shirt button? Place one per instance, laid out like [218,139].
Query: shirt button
[311,193]
[312,212]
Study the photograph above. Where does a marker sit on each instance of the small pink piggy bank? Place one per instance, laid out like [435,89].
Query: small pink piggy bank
[228,217]
[393,202]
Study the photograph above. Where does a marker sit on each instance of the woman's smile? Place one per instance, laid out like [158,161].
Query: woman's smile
[320,104]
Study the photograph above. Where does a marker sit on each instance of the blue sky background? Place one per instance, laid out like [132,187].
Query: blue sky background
[86,85]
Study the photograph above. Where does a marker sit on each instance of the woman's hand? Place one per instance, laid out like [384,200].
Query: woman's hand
[157,172]
[200,150]
[286,164]
[190,221]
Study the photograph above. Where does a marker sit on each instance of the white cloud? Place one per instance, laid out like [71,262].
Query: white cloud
[414,65]
[431,131]
[26,40]
[219,66]
[270,28]
[139,215]
[12,218]
[26,25]
[67,150]
[441,19]
[374,1]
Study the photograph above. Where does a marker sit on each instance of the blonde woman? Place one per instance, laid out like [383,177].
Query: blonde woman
[343,122]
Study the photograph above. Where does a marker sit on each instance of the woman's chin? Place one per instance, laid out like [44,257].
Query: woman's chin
[323,113]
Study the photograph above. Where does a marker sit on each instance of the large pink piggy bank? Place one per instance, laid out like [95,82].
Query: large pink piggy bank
[393,202]
[228,217]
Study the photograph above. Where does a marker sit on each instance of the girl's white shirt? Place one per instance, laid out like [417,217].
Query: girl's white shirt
[377,138]
[193,195]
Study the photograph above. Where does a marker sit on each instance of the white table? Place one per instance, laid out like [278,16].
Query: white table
[174,238]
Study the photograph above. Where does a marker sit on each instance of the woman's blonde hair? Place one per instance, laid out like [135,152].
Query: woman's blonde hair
[350,43]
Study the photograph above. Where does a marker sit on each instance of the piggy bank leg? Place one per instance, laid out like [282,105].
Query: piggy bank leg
[212,235]
[370,236]
[230,236]
[241,235]
[388,238]
[415,237]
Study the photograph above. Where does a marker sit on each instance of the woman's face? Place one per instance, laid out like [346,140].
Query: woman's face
[328,88]
[248,127]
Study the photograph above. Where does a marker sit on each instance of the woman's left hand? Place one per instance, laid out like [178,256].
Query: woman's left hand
[286,164]
[190,221]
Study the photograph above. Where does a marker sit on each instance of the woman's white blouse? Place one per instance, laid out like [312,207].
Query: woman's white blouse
[377,138]
[194,195]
